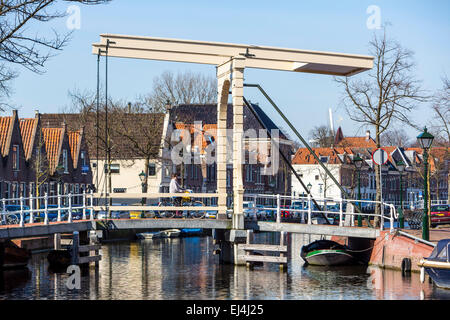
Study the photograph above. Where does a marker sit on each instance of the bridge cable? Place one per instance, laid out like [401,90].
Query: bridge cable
[284,157]
[344,192]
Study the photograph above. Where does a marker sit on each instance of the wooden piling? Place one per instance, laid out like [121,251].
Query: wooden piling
[283,266]
[57,241]
[75,247]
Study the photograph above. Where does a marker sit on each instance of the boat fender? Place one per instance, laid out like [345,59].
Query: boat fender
[406,265]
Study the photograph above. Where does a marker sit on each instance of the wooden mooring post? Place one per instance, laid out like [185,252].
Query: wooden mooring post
[250,258]
[77,249]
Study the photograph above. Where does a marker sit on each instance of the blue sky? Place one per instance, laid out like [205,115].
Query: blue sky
[422,26]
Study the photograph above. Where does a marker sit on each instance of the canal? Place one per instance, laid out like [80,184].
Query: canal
[185,268]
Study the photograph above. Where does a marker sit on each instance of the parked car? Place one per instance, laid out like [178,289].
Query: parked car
[52,212]
[440,214]
[115,214]
[249,210]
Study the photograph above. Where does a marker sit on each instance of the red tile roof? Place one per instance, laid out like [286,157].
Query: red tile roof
[303,156]
[74,142]
[357,142]
[53,140]
[5,128]
[27,129]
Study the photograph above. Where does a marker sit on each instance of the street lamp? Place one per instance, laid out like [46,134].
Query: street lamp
[143,177]
[358,162]
[401,166]
[425,140]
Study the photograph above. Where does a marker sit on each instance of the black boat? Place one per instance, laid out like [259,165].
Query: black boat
[437,265]
[326,253]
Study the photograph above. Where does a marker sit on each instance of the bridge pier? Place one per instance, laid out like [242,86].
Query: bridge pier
[228,241]
[2,254]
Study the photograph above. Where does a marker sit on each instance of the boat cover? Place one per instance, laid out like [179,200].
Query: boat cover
[441,251]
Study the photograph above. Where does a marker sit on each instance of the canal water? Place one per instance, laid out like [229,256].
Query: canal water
[185,268]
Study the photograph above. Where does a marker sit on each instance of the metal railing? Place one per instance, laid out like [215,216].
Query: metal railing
[342,209]
[68,207]
[23,210]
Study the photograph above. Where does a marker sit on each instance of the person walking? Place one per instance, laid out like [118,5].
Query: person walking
[174,187]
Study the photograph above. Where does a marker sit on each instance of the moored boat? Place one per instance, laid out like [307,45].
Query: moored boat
[171,233]
[149,235]
[191,232]
[326,253]
[437,265]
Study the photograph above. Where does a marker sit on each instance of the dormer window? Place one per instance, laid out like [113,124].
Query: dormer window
[324,159]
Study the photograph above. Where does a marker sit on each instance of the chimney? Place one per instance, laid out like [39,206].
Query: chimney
[168,106]
[129,107]
[367,135]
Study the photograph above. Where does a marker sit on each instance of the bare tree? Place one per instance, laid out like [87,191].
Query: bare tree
[322,136]
[395,137]
[183,88]
[387,94]
[21,43]
[441,114]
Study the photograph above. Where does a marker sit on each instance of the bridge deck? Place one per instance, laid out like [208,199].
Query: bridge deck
[39,229]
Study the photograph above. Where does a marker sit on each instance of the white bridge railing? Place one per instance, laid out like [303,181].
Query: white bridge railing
[305,209]
[69,207]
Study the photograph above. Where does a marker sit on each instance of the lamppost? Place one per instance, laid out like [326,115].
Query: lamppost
[358,162]
[143,177]
[401,166]
[425,140]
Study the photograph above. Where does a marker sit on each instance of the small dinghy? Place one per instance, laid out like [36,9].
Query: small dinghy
[15,257]
[171,233]
[191,232]
[149,235]
[326,253]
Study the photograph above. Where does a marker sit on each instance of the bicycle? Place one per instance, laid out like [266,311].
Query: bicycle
[182,202]
[10,219]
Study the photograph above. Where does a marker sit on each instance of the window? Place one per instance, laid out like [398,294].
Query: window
[316,177]
[65,161]
[324,159]
[15,157]
[151,169]
[113,168]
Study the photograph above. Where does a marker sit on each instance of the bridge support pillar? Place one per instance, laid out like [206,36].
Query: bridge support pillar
[2,254]
[228,241]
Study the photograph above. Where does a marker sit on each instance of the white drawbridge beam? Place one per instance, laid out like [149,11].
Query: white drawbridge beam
[217,53]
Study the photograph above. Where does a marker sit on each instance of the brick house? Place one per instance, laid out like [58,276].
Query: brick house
[202,178]
[339,161]
[32,157]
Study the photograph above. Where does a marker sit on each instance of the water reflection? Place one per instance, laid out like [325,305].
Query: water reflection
[185,268]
